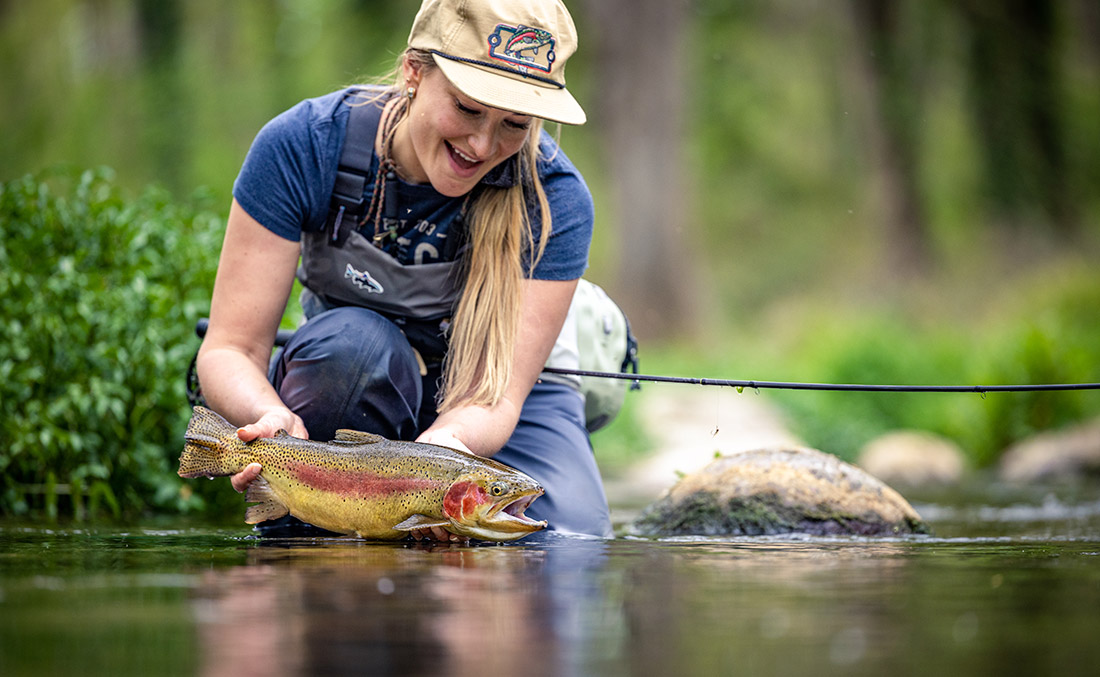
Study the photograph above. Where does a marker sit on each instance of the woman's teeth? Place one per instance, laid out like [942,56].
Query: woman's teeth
[464,156]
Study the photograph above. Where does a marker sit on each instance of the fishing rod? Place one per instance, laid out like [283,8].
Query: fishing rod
[850,387]
[284,335]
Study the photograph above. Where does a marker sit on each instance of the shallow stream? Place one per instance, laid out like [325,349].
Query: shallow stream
[1002,587]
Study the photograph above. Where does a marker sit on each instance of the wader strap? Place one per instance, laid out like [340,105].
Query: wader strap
[348,205]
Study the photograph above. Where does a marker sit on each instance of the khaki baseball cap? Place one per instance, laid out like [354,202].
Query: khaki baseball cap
[507,54]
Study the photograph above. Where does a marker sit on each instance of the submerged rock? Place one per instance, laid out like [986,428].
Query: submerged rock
[1063,454]
[912,458]
[776,491]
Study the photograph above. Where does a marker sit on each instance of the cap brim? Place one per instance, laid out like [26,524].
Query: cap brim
[526,97]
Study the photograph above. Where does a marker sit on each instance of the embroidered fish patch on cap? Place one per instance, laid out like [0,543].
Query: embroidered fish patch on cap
[523,47]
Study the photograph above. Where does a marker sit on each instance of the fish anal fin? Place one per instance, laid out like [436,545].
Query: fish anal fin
[421,522]
[358,436]
[267,507]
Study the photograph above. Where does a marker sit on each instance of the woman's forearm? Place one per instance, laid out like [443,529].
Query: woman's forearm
[255,274]
[482,430]
[234,385]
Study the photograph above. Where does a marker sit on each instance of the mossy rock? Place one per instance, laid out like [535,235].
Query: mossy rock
[778,491]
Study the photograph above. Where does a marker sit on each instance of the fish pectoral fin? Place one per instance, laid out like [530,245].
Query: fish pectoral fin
[267,507]
[421,522]
[345,435]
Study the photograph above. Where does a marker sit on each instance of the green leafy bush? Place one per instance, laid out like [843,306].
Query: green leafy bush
[99,295]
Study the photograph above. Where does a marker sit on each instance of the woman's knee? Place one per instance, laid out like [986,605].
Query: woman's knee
[351,368]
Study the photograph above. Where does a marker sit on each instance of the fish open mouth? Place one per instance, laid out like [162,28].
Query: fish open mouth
[515,508]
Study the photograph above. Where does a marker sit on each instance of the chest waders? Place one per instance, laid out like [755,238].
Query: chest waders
[341,266]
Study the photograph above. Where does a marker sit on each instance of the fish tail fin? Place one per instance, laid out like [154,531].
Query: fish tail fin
[268,506]
[211,446]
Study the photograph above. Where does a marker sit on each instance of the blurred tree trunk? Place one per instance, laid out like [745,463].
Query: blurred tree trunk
[167,108]
[1017,103]
[894,110]
[1086,13]
[638,105]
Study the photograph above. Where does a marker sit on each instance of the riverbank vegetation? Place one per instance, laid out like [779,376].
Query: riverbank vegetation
[99,293]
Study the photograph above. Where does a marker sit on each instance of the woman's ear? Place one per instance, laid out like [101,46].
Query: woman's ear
[411,72]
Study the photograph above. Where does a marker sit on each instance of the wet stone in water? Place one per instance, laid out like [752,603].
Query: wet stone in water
[777,491]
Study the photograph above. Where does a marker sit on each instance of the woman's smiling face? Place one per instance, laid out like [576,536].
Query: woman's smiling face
[451,140]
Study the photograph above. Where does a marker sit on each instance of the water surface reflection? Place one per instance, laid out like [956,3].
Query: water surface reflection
[580,606]
[333,605]
[1021,596]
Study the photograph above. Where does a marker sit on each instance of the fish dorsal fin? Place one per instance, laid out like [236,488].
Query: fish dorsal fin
[281,433]
[358,436]
[421,522]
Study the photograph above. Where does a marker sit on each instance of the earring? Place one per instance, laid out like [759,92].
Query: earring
[410,92]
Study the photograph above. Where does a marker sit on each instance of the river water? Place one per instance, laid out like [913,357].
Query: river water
[1005,586]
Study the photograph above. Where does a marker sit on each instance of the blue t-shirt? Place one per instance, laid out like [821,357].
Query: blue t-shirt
[287,179]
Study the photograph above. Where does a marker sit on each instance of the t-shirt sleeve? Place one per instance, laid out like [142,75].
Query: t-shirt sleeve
[572,214]
[282,181]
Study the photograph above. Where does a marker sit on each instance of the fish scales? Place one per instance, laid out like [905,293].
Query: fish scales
[365,484]
[374,486]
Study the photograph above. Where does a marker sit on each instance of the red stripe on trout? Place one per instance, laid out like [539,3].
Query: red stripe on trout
[358,484]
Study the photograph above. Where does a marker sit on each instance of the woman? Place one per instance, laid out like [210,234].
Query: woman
[431,317]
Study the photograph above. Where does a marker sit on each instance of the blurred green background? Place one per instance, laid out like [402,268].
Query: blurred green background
[851,191]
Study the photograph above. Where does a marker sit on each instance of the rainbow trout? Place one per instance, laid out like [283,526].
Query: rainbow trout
[365,484]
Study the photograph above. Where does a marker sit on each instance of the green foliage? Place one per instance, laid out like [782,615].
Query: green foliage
[1042,330]
[99,296]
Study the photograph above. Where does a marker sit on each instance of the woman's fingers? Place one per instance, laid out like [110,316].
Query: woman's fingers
[241,480]
[438,534]
[271,423]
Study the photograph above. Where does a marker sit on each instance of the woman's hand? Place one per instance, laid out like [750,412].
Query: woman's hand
[442,437]
[438,534]
[241,480]
[268,425]
[271,423]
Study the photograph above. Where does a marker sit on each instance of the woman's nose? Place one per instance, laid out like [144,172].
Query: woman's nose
[482,140]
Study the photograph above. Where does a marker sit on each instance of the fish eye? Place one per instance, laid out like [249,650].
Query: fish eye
[497,488]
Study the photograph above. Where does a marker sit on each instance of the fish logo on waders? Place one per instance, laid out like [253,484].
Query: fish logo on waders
[363,280]
[521,46]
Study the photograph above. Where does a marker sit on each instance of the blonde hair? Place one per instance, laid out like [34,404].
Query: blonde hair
[483,330]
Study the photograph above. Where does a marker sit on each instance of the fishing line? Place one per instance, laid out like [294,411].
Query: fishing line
[847,387]
[717,412]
